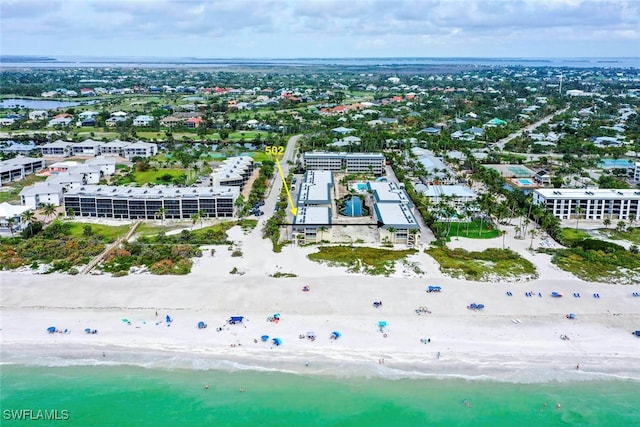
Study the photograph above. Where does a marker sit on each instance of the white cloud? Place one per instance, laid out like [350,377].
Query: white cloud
[200,27]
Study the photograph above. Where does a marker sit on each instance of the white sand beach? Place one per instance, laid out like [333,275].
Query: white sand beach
[514,338]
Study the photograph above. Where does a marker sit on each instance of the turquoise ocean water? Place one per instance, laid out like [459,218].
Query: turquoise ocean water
[136,396]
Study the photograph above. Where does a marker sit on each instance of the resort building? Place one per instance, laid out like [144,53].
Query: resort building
[104,201]
[456,196]
[315,189]
[590,204]
[346,162]
[233,172]
[393,212]
[58,148]
[87,147]
[11,217]
[114,148]
[397,223]
[106,165]
[140,149]
[42,193]
[314,205]
[19,167]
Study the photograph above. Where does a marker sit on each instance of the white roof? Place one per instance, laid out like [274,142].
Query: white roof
[11,211]
[313,215]
[153,193]
[448,190]
[581,193]
[316,187]
[395,215]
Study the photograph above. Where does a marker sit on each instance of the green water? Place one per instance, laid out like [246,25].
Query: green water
[134,396]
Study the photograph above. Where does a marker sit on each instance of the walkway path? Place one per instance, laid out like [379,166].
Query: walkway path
[500,144]
[115,244]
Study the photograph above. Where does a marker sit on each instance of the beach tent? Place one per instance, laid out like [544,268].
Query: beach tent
[480,306]
[235,319]
[637,333]
[168,319]
[277,341]
[571,316]
[473,306]
[51,329]
[335,335]
[264,338]
[201,325]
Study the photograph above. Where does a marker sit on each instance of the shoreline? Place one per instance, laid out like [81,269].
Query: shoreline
[514,338]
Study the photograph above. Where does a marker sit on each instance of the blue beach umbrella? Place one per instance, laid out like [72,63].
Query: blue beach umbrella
[51,329]
[336,334]
[264,338]
[277,341]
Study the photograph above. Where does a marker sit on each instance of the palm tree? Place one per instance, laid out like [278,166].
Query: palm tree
[28,217]
[392,230]
[71,212]
[48,210]
[533,233]
[321,229]
[579,210]
[201,216]
[606,222]
[11,221]
[621,225]
[161,213]
[194,219]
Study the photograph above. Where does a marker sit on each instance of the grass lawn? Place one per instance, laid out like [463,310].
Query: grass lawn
[568,236]
[11,192]
[598,261]
[631,234]
[471,230]
[109,233]
[151,229]
[152,176]
[489,264]
[361,259]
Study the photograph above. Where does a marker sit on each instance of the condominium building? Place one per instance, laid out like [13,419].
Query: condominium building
[347,162]
[19,167]
[590,204]
[146,203]
[140,149]
[233,172]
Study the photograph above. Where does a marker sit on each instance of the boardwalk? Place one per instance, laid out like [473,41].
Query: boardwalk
[113,245]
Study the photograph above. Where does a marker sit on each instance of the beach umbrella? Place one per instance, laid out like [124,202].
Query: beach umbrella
[276,316]
[336,334]
[277,341]
[382,323]
[125,320]
[264,337]
[201,325]
[88,330]
[51,329]
[480,306]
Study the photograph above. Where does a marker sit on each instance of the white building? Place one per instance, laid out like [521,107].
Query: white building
[106,165]
[140,149]
[37,115]
[143,120]
[11,217]
[457,196]
[233,172]
[87,147]
[114,148]
[42,193]
[595,204]
[19,167]
[348,162]
[57,148]
[105,201]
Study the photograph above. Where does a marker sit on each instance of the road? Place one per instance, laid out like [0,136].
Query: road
[276,183]
[500,144]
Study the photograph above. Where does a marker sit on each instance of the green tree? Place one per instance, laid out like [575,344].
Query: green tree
[48,210]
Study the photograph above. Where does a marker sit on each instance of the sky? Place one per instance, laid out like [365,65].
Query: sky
[320,28]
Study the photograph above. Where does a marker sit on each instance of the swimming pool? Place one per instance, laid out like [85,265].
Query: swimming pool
[352,207]
[362,186]
[616,163]
[525,181]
